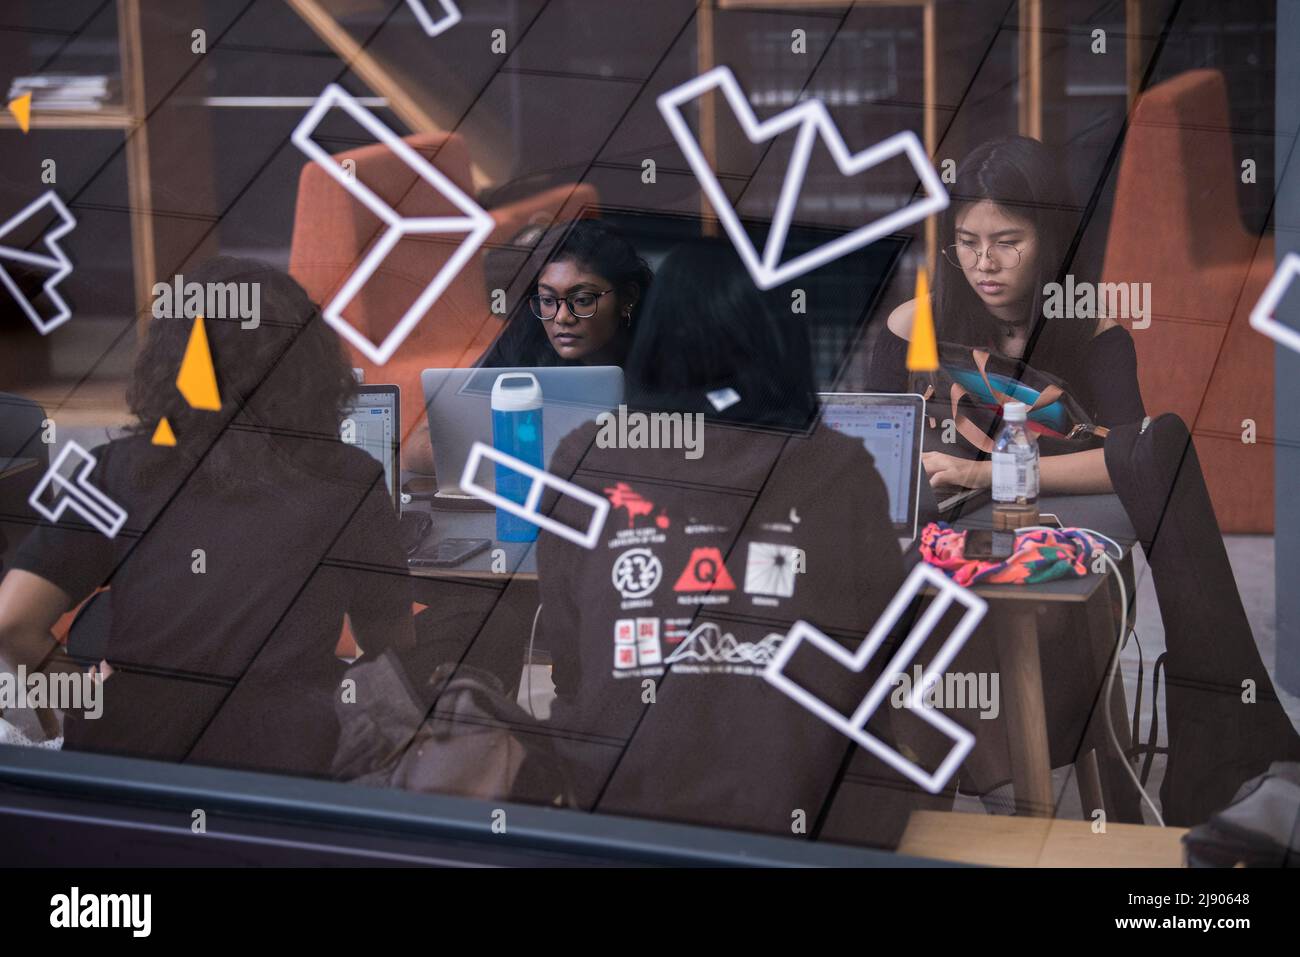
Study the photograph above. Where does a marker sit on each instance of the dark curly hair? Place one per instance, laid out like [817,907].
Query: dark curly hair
[286,378]
[599,247]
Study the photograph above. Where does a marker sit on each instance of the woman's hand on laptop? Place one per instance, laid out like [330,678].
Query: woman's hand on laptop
[949,471]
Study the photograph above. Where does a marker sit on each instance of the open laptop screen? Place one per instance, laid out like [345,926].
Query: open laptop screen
[890,428]
[459,407]
[370,422]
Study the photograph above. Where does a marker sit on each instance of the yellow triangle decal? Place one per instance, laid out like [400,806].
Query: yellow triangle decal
[922,351]
[197,380]
[21,108]
[163,435]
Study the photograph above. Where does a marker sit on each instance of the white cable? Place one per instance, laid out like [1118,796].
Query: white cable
[1113,669]
[1110,687]
[528,662]
[1119,549]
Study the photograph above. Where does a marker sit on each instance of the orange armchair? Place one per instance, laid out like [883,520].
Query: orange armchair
[1176,225]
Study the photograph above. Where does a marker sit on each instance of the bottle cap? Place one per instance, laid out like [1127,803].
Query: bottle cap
[516,392]
[1015,411]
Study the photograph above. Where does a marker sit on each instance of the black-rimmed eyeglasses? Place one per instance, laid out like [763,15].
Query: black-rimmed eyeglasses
[582,305]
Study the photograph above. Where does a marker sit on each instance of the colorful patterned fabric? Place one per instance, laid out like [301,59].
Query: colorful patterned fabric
[1038,556]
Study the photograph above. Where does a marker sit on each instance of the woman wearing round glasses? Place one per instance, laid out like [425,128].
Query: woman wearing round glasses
[583,307]
[1007,231]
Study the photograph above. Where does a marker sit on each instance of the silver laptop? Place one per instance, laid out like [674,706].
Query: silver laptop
[459,406]
[889,425]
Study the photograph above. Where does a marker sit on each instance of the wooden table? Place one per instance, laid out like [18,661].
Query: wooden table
[998,840]
[1013,624]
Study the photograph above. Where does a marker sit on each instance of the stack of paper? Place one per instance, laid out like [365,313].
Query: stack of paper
[63,91]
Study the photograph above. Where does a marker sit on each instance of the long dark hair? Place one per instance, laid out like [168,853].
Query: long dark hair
[286,379]
[707,328]
[1021,176]
[598,247]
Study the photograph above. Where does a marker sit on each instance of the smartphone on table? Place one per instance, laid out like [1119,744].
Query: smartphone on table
[449,552]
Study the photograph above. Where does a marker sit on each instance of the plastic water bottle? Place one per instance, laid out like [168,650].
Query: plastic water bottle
[516,431]
[1015,477]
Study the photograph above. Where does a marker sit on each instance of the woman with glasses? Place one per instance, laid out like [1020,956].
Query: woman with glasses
[1006,234]
[583,306]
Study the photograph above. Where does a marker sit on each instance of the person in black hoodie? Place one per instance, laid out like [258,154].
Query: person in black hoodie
[660,632]
[244,545]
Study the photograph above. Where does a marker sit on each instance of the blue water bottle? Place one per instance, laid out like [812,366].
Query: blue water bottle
[517,431]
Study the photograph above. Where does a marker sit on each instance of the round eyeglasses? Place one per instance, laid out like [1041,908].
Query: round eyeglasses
[964,256]
[582,305]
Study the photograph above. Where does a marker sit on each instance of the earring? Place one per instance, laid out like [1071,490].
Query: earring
[627,316]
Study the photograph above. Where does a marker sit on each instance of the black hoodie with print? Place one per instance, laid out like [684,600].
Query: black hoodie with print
[660,632]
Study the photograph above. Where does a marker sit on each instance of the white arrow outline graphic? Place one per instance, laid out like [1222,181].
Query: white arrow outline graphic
[77,493]
[855,726]
[541,480]
[476,222]
[1261,317]
[813,119]
[57,260]
[451,16]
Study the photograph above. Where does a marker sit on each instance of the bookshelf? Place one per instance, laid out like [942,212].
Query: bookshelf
[129,116]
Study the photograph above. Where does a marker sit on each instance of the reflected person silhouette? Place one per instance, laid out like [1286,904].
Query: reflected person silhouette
[245,545]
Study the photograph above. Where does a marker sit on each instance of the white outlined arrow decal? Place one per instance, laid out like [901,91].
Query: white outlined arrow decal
[541,479]
[56,261]
[855,725]
[476,223]
[1261,317]
[66,485]
[813,120]
[450,16]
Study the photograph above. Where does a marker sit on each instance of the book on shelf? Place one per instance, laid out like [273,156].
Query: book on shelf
[65,91]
